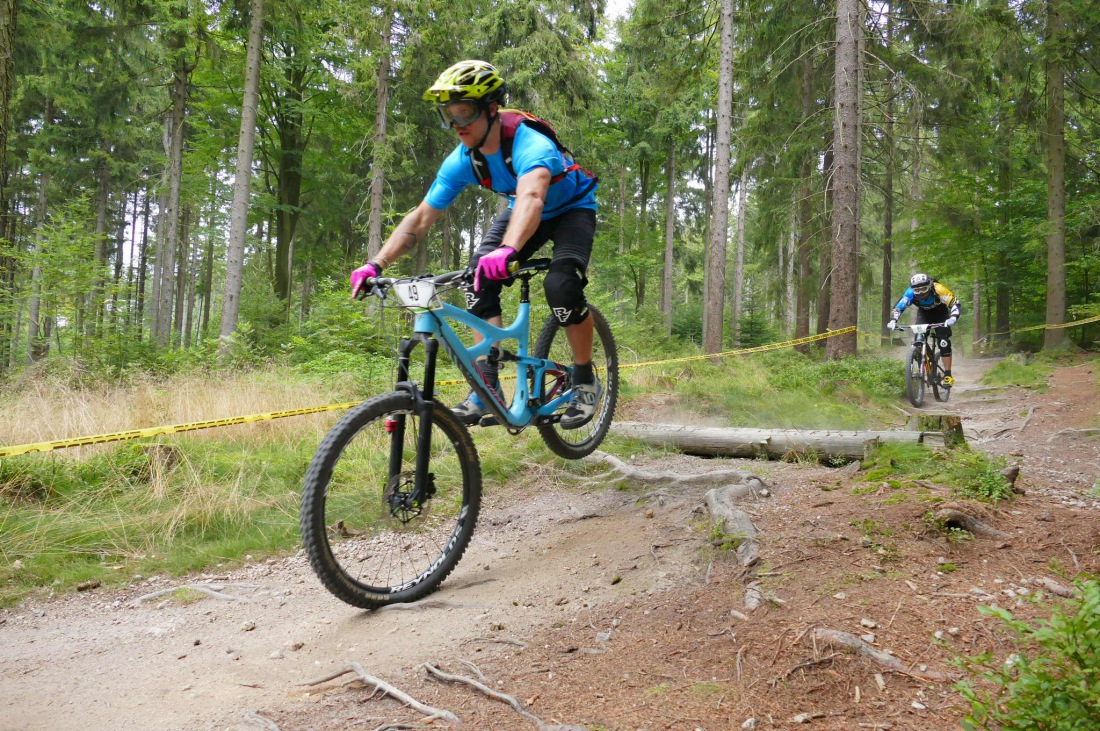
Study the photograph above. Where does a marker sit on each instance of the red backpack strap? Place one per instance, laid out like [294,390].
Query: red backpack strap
[510,120]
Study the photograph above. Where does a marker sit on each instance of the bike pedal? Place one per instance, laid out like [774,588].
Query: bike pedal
[488,420]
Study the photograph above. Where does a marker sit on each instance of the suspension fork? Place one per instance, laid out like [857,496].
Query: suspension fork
[423,407]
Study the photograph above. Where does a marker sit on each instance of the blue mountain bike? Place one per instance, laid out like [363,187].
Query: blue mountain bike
[392,495]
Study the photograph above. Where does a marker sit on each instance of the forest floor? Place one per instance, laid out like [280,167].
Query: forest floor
[603,607]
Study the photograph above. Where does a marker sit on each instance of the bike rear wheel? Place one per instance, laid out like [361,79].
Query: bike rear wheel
[914,377]
[553,344]
[368,546]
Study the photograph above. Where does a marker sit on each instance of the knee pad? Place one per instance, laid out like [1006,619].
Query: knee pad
[564,287]
[945,347]
[484,303]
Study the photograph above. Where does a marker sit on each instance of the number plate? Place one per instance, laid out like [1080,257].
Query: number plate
[419,295]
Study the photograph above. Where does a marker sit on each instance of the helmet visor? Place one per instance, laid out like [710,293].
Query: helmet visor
[459,113]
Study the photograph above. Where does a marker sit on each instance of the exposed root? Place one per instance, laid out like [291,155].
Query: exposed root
[673,478]
[847,642]
[423,604]
[497,695]
[211,590]
[255,718]
[386,689]
[950,518]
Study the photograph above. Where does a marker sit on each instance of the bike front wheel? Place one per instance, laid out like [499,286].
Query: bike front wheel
[553,344]
[914,377]
[367,540]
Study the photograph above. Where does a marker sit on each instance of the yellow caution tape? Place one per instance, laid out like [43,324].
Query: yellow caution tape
[743,351]
[159,430]
[252,418]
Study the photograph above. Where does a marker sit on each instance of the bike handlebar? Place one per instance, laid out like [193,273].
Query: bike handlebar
[465,275]
[925,325]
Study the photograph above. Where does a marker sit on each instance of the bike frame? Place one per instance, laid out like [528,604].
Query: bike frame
[432,328]
[929,348]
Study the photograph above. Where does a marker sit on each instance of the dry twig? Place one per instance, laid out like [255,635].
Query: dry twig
[386,689]
[496,695]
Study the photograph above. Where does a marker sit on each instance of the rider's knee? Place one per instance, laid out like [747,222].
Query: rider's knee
[945,347]
[564,287]
[484,303]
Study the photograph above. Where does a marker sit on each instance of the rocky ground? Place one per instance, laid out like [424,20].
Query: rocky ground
[603,605]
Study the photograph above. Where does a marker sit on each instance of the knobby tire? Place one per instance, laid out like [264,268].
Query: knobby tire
[552,344]
[359,550]
[914,377]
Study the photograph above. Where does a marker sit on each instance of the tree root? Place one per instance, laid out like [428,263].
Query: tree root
[386,689]
[951,518]
[497,695]
[211,590]
[847,642]
[255,718]
[625,471]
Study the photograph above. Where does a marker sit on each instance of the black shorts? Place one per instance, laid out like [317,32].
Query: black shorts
[933,315]
[572,233]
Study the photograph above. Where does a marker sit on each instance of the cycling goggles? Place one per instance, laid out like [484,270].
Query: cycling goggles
[922,289]
[459,113]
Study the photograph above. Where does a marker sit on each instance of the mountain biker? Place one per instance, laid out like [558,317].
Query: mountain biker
[935,303]
[550,198]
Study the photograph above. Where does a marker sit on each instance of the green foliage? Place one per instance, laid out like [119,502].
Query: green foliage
[970,474]
[1052,682]
[1017,370]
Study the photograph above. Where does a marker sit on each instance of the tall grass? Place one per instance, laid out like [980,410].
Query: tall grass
[194,500]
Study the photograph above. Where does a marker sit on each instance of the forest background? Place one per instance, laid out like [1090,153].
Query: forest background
[182,178]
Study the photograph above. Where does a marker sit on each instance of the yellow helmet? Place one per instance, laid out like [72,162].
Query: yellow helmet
[467,80]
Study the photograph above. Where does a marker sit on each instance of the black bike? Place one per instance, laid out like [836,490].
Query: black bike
[924,368]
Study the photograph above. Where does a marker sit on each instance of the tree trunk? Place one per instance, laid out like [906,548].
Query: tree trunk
[805,215]
[738,293]
[170,215]
[99,254]
[670,240]
[768,443]
[378,166]
[1056,179]
[9,10]
[37,345]
[887,301]
[715,274]
[242,182]
[844,300]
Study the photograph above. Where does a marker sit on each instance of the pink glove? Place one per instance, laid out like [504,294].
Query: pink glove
[360,276]
[494,265]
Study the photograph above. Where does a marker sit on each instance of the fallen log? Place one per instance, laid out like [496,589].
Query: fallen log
[771,443]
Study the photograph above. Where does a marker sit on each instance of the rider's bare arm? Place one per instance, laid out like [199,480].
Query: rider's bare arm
[411,231]
[527,212]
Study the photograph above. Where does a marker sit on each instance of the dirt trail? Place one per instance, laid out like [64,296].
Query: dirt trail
[602,607]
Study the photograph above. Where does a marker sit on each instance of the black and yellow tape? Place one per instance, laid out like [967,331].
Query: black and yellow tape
[50,446]
[160,430]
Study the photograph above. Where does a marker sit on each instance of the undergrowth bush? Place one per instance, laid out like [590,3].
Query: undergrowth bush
[1051,682]
[970,474]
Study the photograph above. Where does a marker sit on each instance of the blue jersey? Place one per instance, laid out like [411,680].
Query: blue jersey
[530,150]
[938,296]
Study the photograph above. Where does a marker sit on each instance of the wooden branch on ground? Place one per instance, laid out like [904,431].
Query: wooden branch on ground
[386,689]
[771,443]
[847,642]
[497,695]
[675,478]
